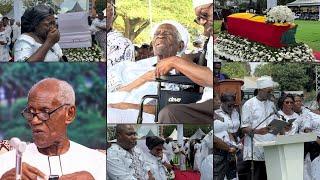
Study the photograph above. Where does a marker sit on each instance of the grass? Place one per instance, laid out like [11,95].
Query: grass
[308,32]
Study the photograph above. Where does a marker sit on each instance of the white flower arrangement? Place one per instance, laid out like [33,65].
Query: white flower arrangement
[92,54]
[280,14]
[235,48]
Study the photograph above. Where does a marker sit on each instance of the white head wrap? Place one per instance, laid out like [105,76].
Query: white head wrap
[197,3]
[265,82]
[181,29]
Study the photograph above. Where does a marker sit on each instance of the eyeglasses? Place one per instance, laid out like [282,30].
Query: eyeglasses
[202,17]
[43,116]
[288,102]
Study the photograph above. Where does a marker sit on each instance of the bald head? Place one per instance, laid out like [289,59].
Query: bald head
[62,90]
[126,136]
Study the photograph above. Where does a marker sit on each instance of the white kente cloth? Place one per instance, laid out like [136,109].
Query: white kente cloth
[295,125]
[26,46]
[158,170]
[233,122]
[4,49]
[125,73]
[206,168]
[208,91]
[124,165]
[77,158]
[119,116]
[119,48]
[255,111]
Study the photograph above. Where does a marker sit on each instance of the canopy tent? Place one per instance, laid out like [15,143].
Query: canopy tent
[150,133]
[174,135]
[198,134]
[304,3]
[76,8]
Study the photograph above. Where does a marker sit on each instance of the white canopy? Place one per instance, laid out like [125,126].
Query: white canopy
[198,134]
[174,135]
[305,3]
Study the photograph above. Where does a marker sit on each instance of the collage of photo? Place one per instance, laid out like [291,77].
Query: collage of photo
[266,90]
[53,89]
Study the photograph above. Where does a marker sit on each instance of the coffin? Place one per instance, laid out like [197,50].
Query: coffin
[254,28]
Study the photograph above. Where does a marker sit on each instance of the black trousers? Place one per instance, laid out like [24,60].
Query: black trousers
[244,170]
[220,166]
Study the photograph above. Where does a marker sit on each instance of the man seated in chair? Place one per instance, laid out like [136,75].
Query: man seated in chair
[169,39]
[50,109]
[202,111]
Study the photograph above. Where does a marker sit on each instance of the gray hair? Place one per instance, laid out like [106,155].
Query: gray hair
[66,94]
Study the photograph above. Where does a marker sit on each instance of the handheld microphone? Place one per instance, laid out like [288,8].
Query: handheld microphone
[20,148]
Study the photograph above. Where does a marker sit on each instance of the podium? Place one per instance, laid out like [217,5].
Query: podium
[284,156]
[231,86]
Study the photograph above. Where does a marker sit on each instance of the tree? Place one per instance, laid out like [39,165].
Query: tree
[290,76]
[236,69]
[133,17]
[100,5]
[5,6]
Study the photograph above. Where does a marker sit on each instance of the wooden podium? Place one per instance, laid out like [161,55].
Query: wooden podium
[284,156]
[230,86]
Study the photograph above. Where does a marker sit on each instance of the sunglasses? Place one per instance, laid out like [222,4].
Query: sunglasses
[288,102]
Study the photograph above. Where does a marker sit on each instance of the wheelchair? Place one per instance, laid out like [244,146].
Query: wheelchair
[166,97]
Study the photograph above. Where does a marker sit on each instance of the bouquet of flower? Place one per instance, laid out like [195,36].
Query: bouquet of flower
[280,14]
[92,54]
[235,48]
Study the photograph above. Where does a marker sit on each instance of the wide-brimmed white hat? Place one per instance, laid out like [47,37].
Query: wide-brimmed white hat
[197,3]
[265,82]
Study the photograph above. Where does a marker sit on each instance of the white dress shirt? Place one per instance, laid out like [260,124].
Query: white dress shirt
[255,111]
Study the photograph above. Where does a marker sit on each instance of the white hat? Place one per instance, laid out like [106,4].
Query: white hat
[197,3]
[181,29]
[265,82]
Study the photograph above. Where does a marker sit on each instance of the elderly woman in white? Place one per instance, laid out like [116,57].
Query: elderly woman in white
[154,159]
[129,81]
[39,38]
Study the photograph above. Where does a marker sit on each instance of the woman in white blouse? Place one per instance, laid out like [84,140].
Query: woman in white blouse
[154,160]
[39,38]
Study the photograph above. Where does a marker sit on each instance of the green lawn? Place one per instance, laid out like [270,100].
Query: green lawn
[307,32]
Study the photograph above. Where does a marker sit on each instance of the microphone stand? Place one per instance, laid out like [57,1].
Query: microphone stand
[251,134]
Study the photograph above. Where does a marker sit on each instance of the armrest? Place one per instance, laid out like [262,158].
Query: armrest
[177,79]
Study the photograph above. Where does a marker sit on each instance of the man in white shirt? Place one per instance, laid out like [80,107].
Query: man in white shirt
[125,160]
[168,149]
[254,111]
[51,108]
[201,112]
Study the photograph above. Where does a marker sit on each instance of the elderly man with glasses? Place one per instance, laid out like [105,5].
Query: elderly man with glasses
[202,111]
[50,109]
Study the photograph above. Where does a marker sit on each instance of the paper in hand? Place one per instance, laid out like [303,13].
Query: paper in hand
[276,126]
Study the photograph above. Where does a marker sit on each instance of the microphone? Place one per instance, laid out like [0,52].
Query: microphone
[281,117]
[20,148]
